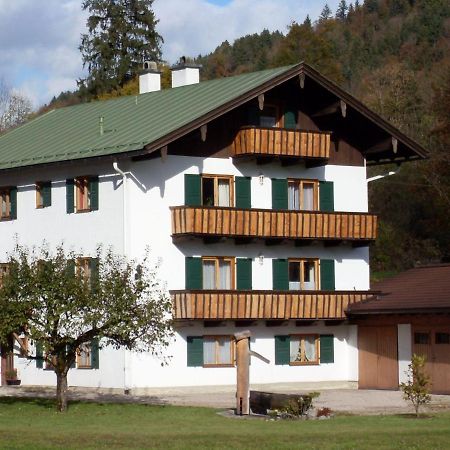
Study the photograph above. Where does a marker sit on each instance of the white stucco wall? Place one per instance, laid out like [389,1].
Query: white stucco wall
[148,371]
[404,350]
[154,186]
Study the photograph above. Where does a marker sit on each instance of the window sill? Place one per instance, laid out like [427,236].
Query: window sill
[306,363]
[82,211]
[6,219]
[85,367]
[209,366]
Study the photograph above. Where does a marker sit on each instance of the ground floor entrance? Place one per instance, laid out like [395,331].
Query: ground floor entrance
[434,343]
[378,366]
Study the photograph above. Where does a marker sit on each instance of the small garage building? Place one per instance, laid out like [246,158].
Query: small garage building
[411,314]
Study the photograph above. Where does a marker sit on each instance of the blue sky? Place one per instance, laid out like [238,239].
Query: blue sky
[39,40]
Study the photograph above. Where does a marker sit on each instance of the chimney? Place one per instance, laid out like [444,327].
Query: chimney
[184,74]
[150,79]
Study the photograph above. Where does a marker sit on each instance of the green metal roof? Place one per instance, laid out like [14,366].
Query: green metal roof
[129,123]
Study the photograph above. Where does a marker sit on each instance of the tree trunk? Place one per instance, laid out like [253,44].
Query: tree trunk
[61,391]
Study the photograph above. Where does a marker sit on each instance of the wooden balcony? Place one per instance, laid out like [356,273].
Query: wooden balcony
[207,221]
[263,305]
[281,142]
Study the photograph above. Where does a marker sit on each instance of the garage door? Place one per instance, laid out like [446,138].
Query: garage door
[378,366]
[434,344]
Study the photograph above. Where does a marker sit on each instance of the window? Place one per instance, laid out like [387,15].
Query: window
[217,190]
[303,274]
[303,195]
[82,194]
[218,351]
[218,273]
[8,203]
[84,268]
[304,349]
[43,194]
[84,357]
[269,117]
[4,270]
[422,338]
[442,338]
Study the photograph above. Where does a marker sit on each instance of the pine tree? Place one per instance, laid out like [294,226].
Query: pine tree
[121,35]
[341,12]
[307,22]
[325,14]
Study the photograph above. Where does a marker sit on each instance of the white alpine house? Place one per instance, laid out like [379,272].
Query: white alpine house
[251,190]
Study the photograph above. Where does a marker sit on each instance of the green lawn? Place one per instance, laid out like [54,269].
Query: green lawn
[34,424]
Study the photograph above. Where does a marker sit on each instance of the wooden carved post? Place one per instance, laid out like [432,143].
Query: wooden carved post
[243,372]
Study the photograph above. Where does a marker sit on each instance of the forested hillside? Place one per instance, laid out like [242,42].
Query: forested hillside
[394,55]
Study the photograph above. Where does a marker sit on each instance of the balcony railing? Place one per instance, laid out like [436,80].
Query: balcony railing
[281,142]
[263,305]
[207,221]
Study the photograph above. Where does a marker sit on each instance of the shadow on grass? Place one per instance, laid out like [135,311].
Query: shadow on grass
[413,416]
[50,403]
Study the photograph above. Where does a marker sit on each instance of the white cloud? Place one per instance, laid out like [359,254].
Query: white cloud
[196,26]
[39,39]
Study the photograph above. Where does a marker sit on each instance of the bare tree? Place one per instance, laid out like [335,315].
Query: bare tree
[14,107]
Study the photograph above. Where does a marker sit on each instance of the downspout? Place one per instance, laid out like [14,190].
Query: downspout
[116,168]
[124,216]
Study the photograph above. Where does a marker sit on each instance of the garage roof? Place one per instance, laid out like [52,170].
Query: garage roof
[420,290]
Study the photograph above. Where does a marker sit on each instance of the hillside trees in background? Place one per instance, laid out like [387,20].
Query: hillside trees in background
[393,55]
[121,35]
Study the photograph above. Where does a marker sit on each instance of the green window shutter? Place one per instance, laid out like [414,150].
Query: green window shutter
[243,192]
[93,266]
[93,193]
[194,351]
[326,196]
[282,350]
[326,348]
[94,354]
[290,119]
[192,190]
[13,200]
[243,273]
[70,195]
[46,191]
[39,355]
[280,274]
[253,115]
[327,280]
[194,273]
[279,193]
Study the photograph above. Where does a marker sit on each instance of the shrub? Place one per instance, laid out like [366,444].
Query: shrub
[416,389]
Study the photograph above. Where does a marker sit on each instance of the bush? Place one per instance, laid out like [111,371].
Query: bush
[416,389]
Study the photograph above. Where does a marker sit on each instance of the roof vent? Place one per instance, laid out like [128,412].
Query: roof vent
[150,79]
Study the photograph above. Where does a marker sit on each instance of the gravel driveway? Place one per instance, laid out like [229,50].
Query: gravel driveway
[343,400]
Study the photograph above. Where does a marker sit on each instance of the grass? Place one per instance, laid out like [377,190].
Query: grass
[33,424]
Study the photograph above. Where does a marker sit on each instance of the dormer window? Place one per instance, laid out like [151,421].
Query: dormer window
[269,117]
